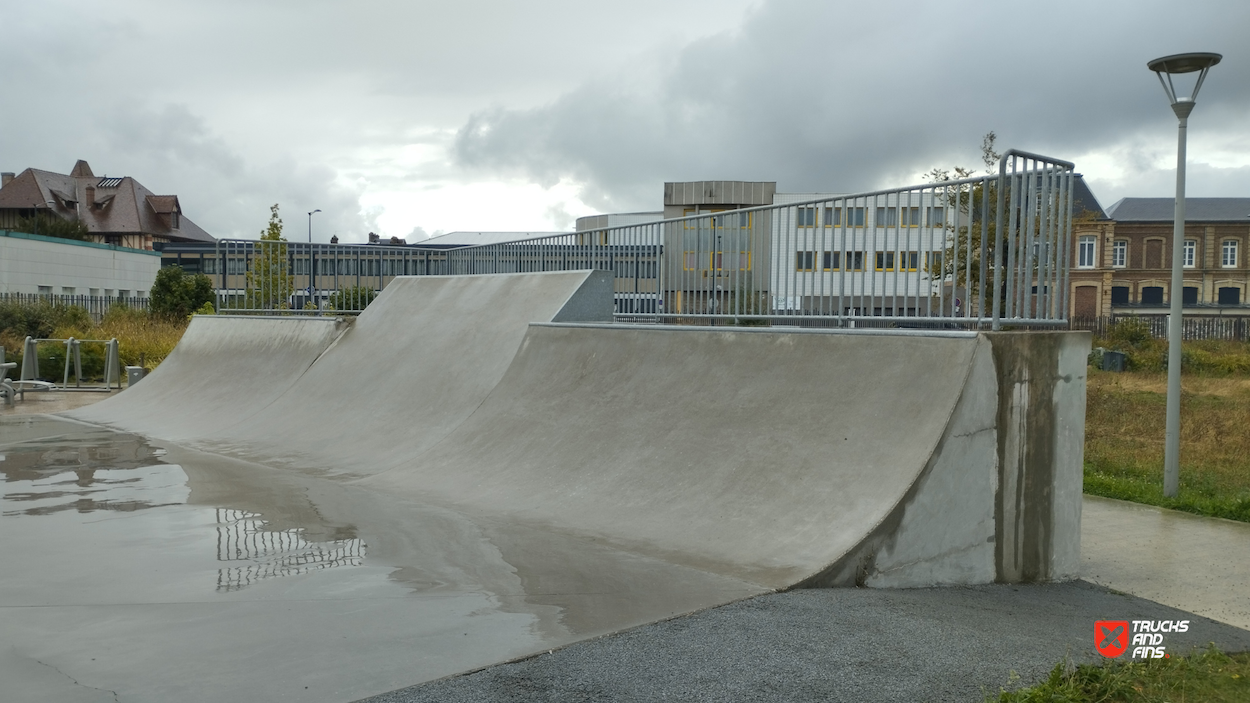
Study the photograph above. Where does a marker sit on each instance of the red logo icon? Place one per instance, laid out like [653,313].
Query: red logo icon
[1111,637]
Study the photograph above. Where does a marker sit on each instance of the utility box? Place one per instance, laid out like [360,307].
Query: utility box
[1113,361]
[134,374]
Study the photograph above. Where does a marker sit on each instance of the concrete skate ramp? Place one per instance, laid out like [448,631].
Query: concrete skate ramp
[766,456]
[224,368]
[774,457]
[411,367]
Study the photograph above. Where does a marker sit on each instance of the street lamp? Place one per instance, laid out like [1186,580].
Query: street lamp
[1165,68]
[312,272]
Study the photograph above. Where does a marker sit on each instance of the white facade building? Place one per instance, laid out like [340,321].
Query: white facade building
[33,264]
[872,253]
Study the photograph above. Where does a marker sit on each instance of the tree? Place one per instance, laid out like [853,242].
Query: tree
[269,280]
[354,298]
[52,226]
[975,207]
[175,294]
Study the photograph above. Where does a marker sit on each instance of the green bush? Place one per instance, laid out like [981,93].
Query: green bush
[354,298]
[175,294]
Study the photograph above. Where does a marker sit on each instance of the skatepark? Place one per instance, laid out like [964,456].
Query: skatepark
[480,469]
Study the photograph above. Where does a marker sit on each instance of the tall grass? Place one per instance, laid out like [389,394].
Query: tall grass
[143,339]
[1124,440]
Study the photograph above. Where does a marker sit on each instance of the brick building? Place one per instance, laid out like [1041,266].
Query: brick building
[1122,263]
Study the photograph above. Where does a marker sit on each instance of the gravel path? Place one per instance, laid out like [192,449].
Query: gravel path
[941,644]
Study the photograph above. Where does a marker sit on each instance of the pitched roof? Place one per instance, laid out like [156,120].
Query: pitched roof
[118,206]
[1196,210]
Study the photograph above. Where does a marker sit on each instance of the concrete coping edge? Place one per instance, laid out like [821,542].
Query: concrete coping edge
[956,334]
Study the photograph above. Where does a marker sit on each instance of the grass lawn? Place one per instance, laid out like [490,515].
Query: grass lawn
[1209,677]
[1124,437]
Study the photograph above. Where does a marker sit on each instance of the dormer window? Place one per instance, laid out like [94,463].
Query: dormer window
[173,220]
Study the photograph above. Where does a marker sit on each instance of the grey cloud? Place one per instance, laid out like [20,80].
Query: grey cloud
[847,96]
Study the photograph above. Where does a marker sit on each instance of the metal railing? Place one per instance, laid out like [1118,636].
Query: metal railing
[97,306]
[976,252]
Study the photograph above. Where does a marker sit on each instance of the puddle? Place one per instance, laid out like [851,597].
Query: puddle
[164,573]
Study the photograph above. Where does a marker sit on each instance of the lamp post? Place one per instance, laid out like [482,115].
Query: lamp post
[1165,68]
[312,271]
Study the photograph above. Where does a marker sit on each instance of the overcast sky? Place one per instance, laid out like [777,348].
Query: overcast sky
[408,118]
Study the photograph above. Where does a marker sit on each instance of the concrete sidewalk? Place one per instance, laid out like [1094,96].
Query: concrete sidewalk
[1190,562]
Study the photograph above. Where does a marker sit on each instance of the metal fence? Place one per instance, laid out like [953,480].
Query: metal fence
[976,252]
[96,305]
[1234,328]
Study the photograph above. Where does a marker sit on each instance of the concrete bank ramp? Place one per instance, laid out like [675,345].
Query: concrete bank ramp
[398,378]
[779,458]
[224,369]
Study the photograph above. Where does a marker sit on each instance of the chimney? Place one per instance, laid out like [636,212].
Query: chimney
[5,178]
[373,238]
[89,197]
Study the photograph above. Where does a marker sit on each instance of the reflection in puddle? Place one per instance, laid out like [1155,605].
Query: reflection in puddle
[241,536]
[93,471]
[54,467]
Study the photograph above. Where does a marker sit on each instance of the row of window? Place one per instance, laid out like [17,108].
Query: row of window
[1153,295]
[93,292]
[854,260]
[807,216]
[1087,252]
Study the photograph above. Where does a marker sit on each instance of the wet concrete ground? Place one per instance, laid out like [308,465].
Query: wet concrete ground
[154,573]
[148,573]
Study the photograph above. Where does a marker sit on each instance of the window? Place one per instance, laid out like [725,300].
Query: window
[235,266]
[887,217]
[933,261]
[690,262]
[805,216]
[209,265]
[740,260]
[910,216]
[831,261]
[885,261]
[855,216]
[1119,253]
[67,290]
[804,260]
[1228,254]
[123,293]
[1085,251]
[1189,295]
[854,261]
[1119,295]
[1230,296]
[1152,295]
[937,216]
[174,220]
[45,290]
[833,217]
[95,292]
[1186,253]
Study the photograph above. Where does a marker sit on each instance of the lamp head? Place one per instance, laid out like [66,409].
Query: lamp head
[1177,64]
[311,213]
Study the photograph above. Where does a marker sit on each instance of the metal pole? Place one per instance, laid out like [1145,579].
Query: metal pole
[1172,434]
